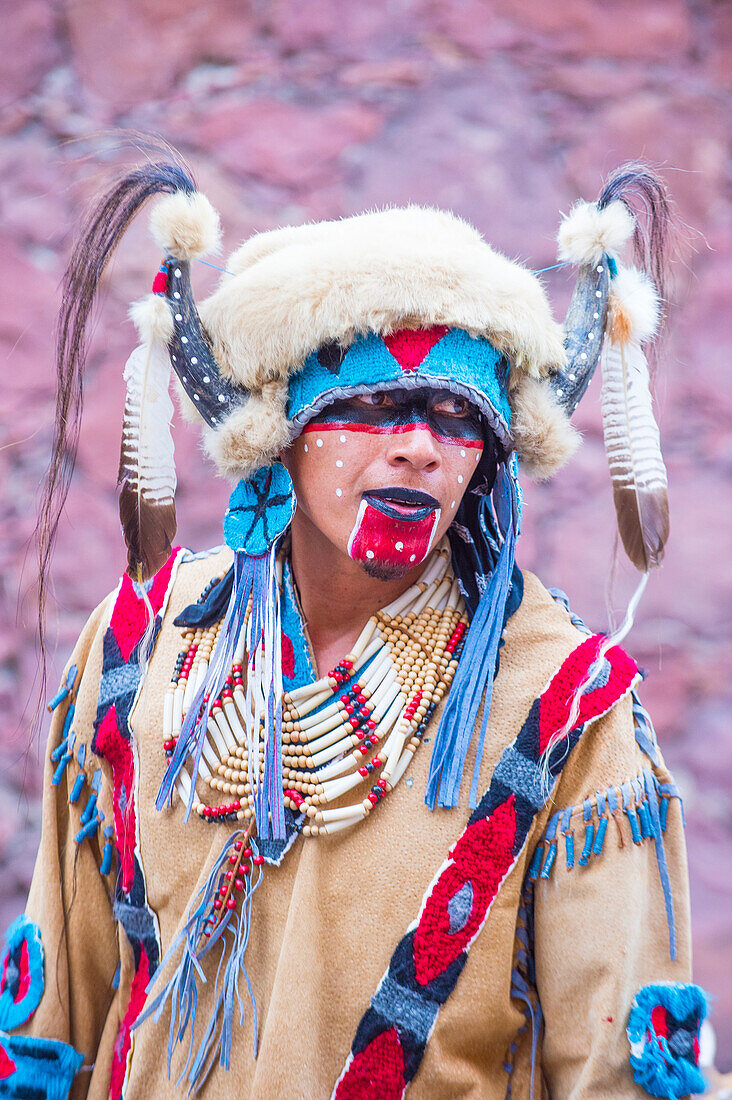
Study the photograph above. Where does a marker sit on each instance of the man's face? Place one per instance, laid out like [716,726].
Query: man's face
[381,476]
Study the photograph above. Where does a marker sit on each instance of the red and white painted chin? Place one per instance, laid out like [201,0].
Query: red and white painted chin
[388,543]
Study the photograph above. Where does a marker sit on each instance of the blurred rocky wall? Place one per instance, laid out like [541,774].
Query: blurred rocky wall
[502,110]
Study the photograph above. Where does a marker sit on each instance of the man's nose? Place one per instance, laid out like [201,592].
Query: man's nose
[416,448]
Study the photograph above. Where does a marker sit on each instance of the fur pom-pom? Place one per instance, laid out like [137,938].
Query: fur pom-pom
[185,225]
[588,232]
[253,435]
[635,308]
[541,429]
[151,317]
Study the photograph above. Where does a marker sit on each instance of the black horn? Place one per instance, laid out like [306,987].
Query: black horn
[191,354]
[584,327]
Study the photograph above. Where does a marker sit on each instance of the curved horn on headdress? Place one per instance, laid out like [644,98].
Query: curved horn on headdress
[584,328]
[191,354]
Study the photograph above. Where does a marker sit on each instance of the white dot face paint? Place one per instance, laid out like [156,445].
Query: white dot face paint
[462,453]
[460,479]
[399,546]
[343,439]
[339,463]
[412,557]
[339,492]
[319,442]
[369,553]
[453,503]
[477,457]
[306,448]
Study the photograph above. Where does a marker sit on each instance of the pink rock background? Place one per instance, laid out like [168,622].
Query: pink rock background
[504,111]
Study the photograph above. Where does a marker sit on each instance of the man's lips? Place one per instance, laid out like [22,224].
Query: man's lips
[410,505]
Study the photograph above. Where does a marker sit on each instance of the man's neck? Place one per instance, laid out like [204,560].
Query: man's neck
[337,597]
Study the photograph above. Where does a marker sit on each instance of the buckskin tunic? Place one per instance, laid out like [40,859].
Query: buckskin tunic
[545,987]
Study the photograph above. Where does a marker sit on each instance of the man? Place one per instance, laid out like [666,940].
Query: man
[508,921]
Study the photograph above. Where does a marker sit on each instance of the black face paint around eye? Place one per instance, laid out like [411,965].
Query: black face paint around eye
[407,410]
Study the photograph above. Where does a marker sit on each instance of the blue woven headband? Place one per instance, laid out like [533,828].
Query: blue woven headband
[465,365]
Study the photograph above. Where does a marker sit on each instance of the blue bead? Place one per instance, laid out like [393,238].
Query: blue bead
[58,774]
[535,864]
[664,812]
[569,846]
[77,788]
[549,861]
[634,825]
[599,839]
[106,859]
[584,859]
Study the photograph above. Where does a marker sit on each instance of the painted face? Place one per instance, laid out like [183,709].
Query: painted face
[381,476]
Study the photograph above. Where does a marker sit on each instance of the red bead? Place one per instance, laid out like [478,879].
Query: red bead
[231,904]
[229,875]
[373,798]
[371,724]
[236,668]
[364,712]
[350,708]
[381,783]
[217,903]
[258,860]
[363,770]
[222,891]
[347,664]
[232,859]
[239,884]
[236,804]
[376,762]
[247,853]
[238,846]
[361,699]
[363,749]
[345,698]
[227,694]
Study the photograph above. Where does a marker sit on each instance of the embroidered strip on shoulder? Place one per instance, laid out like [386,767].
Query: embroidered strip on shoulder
[393,1033]
[37,1069]
[113,741]
[21,979]
[663,1032]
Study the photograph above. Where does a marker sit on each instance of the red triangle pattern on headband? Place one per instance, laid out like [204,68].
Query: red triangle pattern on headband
[410,346]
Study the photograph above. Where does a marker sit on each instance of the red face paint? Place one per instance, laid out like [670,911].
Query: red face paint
[386,540]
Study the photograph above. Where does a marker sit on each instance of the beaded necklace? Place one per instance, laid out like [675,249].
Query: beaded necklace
[381,697]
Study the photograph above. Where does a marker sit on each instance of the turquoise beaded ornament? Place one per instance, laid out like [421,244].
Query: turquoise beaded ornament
[260,510]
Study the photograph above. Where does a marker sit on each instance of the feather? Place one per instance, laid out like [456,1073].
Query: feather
[633,449]
[147,469]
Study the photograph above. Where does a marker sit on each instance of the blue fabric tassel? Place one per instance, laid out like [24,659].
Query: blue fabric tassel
[182,988]
[661,859]
[254,577]
[473,682]
[584,859]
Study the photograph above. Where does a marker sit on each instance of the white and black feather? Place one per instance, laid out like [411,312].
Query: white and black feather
[633,448]
[147,468]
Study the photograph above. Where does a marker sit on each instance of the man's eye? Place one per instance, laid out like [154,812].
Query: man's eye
[374,400]
[452,406]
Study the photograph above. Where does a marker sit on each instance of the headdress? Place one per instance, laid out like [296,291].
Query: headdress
[307,315]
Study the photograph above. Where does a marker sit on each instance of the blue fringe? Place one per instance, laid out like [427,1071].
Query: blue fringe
[254,577]
[182,988]
[473,682]
[647,819]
